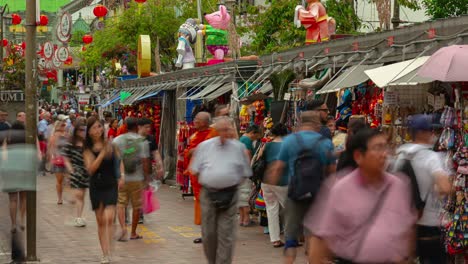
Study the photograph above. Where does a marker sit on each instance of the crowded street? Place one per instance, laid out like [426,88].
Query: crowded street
[234,131]
[167,234]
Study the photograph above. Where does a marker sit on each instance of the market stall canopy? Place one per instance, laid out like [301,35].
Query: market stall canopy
[400,73]
[448,64]
[350,77]
[266,88]
[212,86]
[154,91]
[135,95]
[316,82]
[105,101]
[227,87]
[252,98]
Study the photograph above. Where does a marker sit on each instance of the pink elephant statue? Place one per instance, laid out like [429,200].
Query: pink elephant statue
[216,35]
[316,21]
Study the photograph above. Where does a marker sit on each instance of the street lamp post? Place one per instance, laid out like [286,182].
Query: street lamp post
[31,122]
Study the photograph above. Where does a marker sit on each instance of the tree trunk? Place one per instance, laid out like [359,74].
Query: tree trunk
[157,57]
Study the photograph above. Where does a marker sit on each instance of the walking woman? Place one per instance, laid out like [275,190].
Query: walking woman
[79,179]
[58,140]
[275,195]
[100,161]
[11,170]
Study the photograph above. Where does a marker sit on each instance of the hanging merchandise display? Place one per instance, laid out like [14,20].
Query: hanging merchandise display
[184,132]
[149,109]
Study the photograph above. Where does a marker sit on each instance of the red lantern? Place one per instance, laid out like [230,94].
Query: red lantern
[69,60]
[15,19]
[43,20]
[140,1]
[100,11]
[87,39]
[23,45]
[5,42]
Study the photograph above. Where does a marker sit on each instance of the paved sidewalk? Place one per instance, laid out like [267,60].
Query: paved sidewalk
[168,234]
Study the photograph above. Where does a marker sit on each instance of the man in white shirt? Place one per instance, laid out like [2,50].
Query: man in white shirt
[433,181]
[221,164]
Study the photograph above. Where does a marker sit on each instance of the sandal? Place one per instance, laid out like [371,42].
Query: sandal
[136,237]
[278,244]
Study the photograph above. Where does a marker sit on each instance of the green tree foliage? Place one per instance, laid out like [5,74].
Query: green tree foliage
[280,82]
[156,18]
[445,8]
[272,29]
[77,39]
[347,22]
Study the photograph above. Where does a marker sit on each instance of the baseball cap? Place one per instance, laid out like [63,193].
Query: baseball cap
[419,123]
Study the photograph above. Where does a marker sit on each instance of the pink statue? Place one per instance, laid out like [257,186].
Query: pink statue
[216,33]
[315,19]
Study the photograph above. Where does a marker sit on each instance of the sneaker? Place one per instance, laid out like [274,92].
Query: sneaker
[79,222]
[105,260]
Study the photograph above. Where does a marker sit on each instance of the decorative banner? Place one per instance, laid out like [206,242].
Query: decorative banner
[48,50]
[49,65]
[144,56]
[65,24]
[64,28]
[62,54]
[56,62]
[60,37]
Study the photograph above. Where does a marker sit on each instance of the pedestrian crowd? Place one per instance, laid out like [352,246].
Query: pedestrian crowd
[346,204]
[87,153]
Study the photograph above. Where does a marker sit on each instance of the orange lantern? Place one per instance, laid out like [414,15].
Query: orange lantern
[100,11]
[15,19]
[87,39]
[43,20]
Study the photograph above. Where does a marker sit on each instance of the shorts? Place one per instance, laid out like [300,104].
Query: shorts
[131,191]
[244,193]
[59,169]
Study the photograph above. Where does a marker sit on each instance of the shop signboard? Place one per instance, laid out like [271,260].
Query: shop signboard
[83,99]
[390,98]
[11,96]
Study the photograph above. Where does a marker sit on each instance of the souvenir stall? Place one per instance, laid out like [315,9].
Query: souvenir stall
[147,108]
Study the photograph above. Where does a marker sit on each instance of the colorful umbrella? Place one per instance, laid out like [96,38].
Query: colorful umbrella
[449,64]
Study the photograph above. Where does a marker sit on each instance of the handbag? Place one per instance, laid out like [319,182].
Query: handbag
[150,201]
[58,161]
[259,167]
[222,199]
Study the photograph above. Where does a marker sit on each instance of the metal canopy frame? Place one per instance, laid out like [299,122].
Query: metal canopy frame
[210,88]
[220,91]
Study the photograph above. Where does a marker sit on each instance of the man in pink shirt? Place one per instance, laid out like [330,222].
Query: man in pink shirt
[365,216]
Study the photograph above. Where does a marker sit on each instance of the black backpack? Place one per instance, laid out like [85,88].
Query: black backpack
[308,172]
[407,169]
